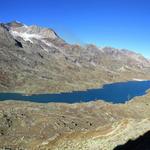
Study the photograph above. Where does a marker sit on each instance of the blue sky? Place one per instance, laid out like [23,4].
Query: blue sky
[116,23]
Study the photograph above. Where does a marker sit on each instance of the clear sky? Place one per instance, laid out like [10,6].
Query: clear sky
[116,23]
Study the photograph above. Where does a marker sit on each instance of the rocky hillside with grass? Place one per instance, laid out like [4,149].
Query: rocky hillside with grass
[35,59]
[58,126]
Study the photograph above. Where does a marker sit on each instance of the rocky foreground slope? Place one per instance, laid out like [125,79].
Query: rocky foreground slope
[34,59]
[88,126]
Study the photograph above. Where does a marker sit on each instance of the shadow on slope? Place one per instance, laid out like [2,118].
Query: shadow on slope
[141,143]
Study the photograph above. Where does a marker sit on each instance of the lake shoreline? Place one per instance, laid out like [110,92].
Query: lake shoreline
[118,92]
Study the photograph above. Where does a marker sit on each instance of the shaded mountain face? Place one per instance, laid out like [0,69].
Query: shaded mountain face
[35,59]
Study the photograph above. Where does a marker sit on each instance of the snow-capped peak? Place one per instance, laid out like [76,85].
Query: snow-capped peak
[25,36]
[32,32]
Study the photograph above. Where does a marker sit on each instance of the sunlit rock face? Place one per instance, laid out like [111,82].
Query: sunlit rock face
[32,56]
[29,32]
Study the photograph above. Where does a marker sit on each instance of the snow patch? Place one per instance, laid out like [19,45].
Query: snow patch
[101,49]
[45,49]
[93,63]
[47,43]
[135,79]
[78,64]
[25,36]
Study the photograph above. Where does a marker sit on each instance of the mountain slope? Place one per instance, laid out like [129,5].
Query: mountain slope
[35,59]
[58,126]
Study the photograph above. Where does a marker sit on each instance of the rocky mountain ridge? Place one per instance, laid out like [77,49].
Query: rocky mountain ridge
[31,56]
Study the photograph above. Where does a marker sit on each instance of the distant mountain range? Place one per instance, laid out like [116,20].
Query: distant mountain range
[34,59]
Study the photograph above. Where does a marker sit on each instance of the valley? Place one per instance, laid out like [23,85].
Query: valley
[36,60]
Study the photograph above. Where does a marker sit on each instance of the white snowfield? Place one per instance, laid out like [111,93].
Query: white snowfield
[32,32]
[135,79]
[25,36]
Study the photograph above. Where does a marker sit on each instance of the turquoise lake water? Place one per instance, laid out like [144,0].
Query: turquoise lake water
[116,93]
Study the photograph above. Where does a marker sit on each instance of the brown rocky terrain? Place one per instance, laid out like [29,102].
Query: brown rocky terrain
[36,60]
[93,125]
